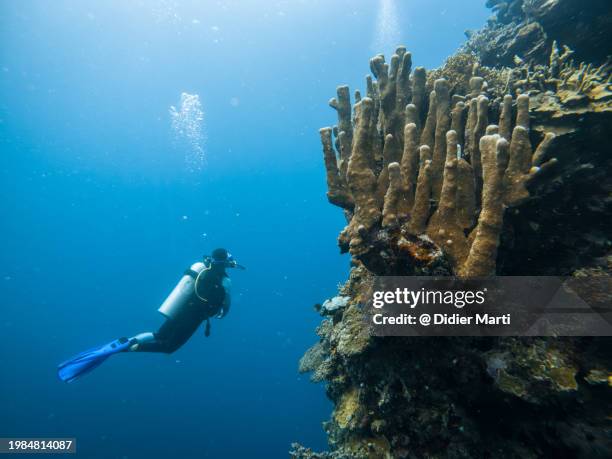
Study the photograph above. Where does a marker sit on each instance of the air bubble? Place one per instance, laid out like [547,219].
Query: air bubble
[189,130]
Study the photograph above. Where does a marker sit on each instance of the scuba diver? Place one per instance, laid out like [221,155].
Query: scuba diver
[203,292]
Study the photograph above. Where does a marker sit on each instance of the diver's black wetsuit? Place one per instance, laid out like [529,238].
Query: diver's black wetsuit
[175,332]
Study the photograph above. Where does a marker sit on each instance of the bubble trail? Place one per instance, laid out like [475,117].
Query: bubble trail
[189,130]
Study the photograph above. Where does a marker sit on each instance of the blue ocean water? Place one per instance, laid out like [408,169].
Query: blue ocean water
[104,202]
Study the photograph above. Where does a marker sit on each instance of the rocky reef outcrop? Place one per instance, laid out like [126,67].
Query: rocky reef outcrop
[484,166]
[527,28]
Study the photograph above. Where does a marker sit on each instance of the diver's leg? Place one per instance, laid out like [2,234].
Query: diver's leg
[153,342]
[171,336]
[141,339]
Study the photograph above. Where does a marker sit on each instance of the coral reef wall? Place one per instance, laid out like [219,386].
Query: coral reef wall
[527,28]
[496,163]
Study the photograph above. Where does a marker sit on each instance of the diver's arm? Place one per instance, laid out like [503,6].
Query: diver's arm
[226,307]
[227,286]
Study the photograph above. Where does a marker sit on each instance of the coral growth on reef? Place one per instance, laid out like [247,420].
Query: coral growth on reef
[418,177]
[496,163]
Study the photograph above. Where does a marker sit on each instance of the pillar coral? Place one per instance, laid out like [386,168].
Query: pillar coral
[404,166]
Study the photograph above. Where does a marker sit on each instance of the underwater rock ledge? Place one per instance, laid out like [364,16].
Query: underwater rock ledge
[484,166]
[527,28]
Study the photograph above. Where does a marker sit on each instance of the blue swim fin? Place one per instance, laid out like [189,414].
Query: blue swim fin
[86,361]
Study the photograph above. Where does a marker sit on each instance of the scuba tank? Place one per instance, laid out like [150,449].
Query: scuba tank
[183,292]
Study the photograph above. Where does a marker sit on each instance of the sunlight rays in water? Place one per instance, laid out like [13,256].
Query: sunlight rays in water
[387,33]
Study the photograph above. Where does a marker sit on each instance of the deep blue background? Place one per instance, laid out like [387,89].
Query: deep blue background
[93,194]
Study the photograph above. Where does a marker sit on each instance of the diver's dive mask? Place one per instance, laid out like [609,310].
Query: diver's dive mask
[227,262]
